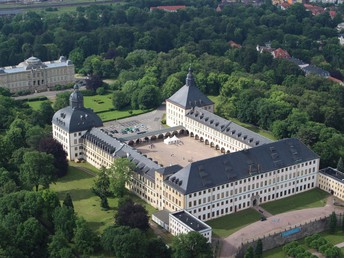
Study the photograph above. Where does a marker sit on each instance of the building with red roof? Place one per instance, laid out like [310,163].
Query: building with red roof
[280,53]
[315,10]
[168,8]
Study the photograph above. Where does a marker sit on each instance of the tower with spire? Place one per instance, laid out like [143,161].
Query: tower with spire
[72,122]
[186,98]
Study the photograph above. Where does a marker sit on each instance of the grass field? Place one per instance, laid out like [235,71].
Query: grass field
[231,223]
[267,134]
[86,204]
[99,103]
[35,104]
[310,199]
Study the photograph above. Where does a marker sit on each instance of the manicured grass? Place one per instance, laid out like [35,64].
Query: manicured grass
[35,105]
[267,134]
[86,203]
[99,103]
[310,199]
[336,238]
[231,223]
[120,114]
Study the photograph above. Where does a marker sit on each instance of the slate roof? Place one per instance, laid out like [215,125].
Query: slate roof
[333,173]
[227,127]
[35,63]
[76,117]
[219,170]
[116,148]
[312,69]
[169,170]
[189,95]
[190,220]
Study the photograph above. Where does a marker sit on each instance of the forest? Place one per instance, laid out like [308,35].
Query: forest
[148,54]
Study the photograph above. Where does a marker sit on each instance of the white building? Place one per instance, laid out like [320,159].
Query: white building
[71,123]
[184,100]
[253,169]
[182,222]
[332,181]
[35,75]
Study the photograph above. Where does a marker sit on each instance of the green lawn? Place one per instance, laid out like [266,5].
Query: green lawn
[310,199]
[274,253]
[231,223]
[120,114]
[99,103]
[86,204]
[35,104]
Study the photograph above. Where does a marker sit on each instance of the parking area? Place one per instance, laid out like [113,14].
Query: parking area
[186,151]
[147,122]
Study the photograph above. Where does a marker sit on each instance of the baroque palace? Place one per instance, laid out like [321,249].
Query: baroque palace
[35,75]
[251,171]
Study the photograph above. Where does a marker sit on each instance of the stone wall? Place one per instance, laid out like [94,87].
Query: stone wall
[277,239]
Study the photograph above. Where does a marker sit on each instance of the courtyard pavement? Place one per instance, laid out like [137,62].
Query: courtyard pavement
[275,223]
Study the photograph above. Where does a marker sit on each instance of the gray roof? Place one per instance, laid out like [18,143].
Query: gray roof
[296,61]
[333,173]
[169,170]
[115,147]
[189,220]
[162,215]
[152,133]
[76,117]
[203,174]
[227,127]
[189,95]
[312,69]
[35,63]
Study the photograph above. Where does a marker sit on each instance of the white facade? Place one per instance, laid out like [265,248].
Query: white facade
[35,75]
[71,142]
[182,222]
[239,195]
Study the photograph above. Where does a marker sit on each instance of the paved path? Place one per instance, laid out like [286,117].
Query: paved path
[275,223]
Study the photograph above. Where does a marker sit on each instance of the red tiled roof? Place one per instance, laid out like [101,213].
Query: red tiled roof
[314,9]
[335,80]
[332,14]
[168,8]
[285,5]
[234,44]
[280,53]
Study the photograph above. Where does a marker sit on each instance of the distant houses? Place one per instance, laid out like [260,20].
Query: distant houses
[308,69]
[168,8]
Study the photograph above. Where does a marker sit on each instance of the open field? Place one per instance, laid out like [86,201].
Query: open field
[86,203]
[181,154]
[99,103]
[228,224]
[310,199]
[119,114]
[267,134]
[35,105]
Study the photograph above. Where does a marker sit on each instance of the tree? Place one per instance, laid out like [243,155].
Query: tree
[64,221]
[86,241]
[340,165]
[156,248]
[119,99]
[101,185]
[149,97]
[258,252]
[119,174]
[62,100]
[53,147]
[37,169]
[46,112]
[58,246]
[190,245]
[68,202]
[132,215]
[333,222]
[249,253]
[31,238]
[93,82]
